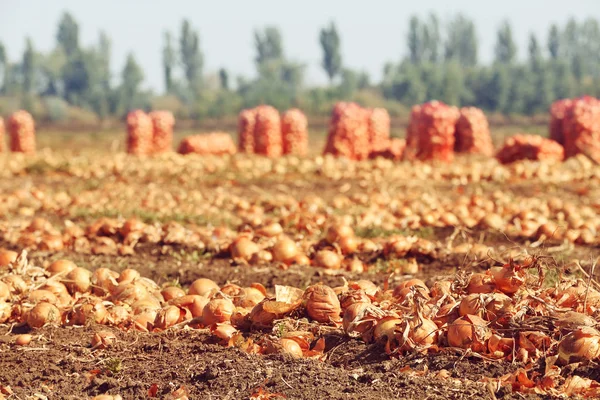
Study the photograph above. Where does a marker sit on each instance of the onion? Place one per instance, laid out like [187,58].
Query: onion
[579,345]
[103,339]
[469,331]
[172,292]
[423,331]
[285,250]
[217,311]
[348,244]
[338,232]
[5,312]
[355,265]
[368,287]
[271,230]
[39,295]
[481,283]
[15,283]
[129,293]
[192,302]
[471,304]
[104,281]
[7,257]
[328,259]
[507,278]
[249,298]
[203,287]
[23,340]
[441,288]
[42,314]
[108,397]
[88,312]
[447,314]
[386,328]
[302,259]
[243,249]
[117,315]
[291,348]
[4,291]
[169,316]
[322,304]
[78,280]
[128,275]
[352,297]
[61,266]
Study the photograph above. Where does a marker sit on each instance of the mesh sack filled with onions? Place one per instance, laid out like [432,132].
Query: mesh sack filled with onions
[21,128]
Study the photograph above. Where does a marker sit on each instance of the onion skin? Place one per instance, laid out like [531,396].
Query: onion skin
[468,331]
[217,311]
[291,348]
[285,250]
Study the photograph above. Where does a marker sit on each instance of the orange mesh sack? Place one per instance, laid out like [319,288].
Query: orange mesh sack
[473,133]
[267,132]
[558,111]
[162,131]
[581,128]
[21,128]
[379,129]
[294,130]
[430,134]
[216,143]
[139,133]
[246,124]
[1,135]
[530,147]
[394,150]
[348,132]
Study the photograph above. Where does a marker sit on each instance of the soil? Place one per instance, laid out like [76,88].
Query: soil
[60,364]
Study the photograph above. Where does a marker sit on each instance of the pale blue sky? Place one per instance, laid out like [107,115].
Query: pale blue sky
[372,31]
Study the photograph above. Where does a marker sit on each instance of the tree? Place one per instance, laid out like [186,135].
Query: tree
[76,78]
[431,39]
[565,85]
[169,60]
[506,49]
[3,68]
[332,58]
[453,84]
[536,83]
[132,77]
[461,41]
[28,67]
[68,34]
[191,56]
[415,40]
[268,44]
[224,79]
[554,42]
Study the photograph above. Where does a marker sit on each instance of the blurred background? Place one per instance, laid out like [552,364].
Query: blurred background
[86,64]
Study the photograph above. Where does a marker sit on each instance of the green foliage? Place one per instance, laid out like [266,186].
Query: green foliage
[332,57]
[68,34]
[56,108]
[506,49]
[461,42]
[191,57]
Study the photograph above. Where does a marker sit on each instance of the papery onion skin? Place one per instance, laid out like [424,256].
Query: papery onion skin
[322,304]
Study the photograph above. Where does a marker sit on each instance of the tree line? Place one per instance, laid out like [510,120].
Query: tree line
[441,62]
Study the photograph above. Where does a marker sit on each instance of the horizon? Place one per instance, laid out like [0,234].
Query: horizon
[226,39]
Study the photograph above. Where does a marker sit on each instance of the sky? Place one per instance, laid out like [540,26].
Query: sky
[372,32]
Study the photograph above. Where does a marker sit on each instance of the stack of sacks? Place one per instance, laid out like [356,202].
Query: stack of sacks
[267,132]
[348,132]
[294,130]
[162,131]
[21,128]
[246,124]
[530,147]
[430,134]
[473,133]
[217,143]
[1,135]
[581,128]
[393,151]
[558,111]
[379,129]
[139,133]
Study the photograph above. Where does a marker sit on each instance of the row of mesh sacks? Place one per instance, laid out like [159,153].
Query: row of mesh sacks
[262,130]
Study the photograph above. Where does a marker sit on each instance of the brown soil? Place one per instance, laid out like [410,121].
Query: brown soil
[60,364]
